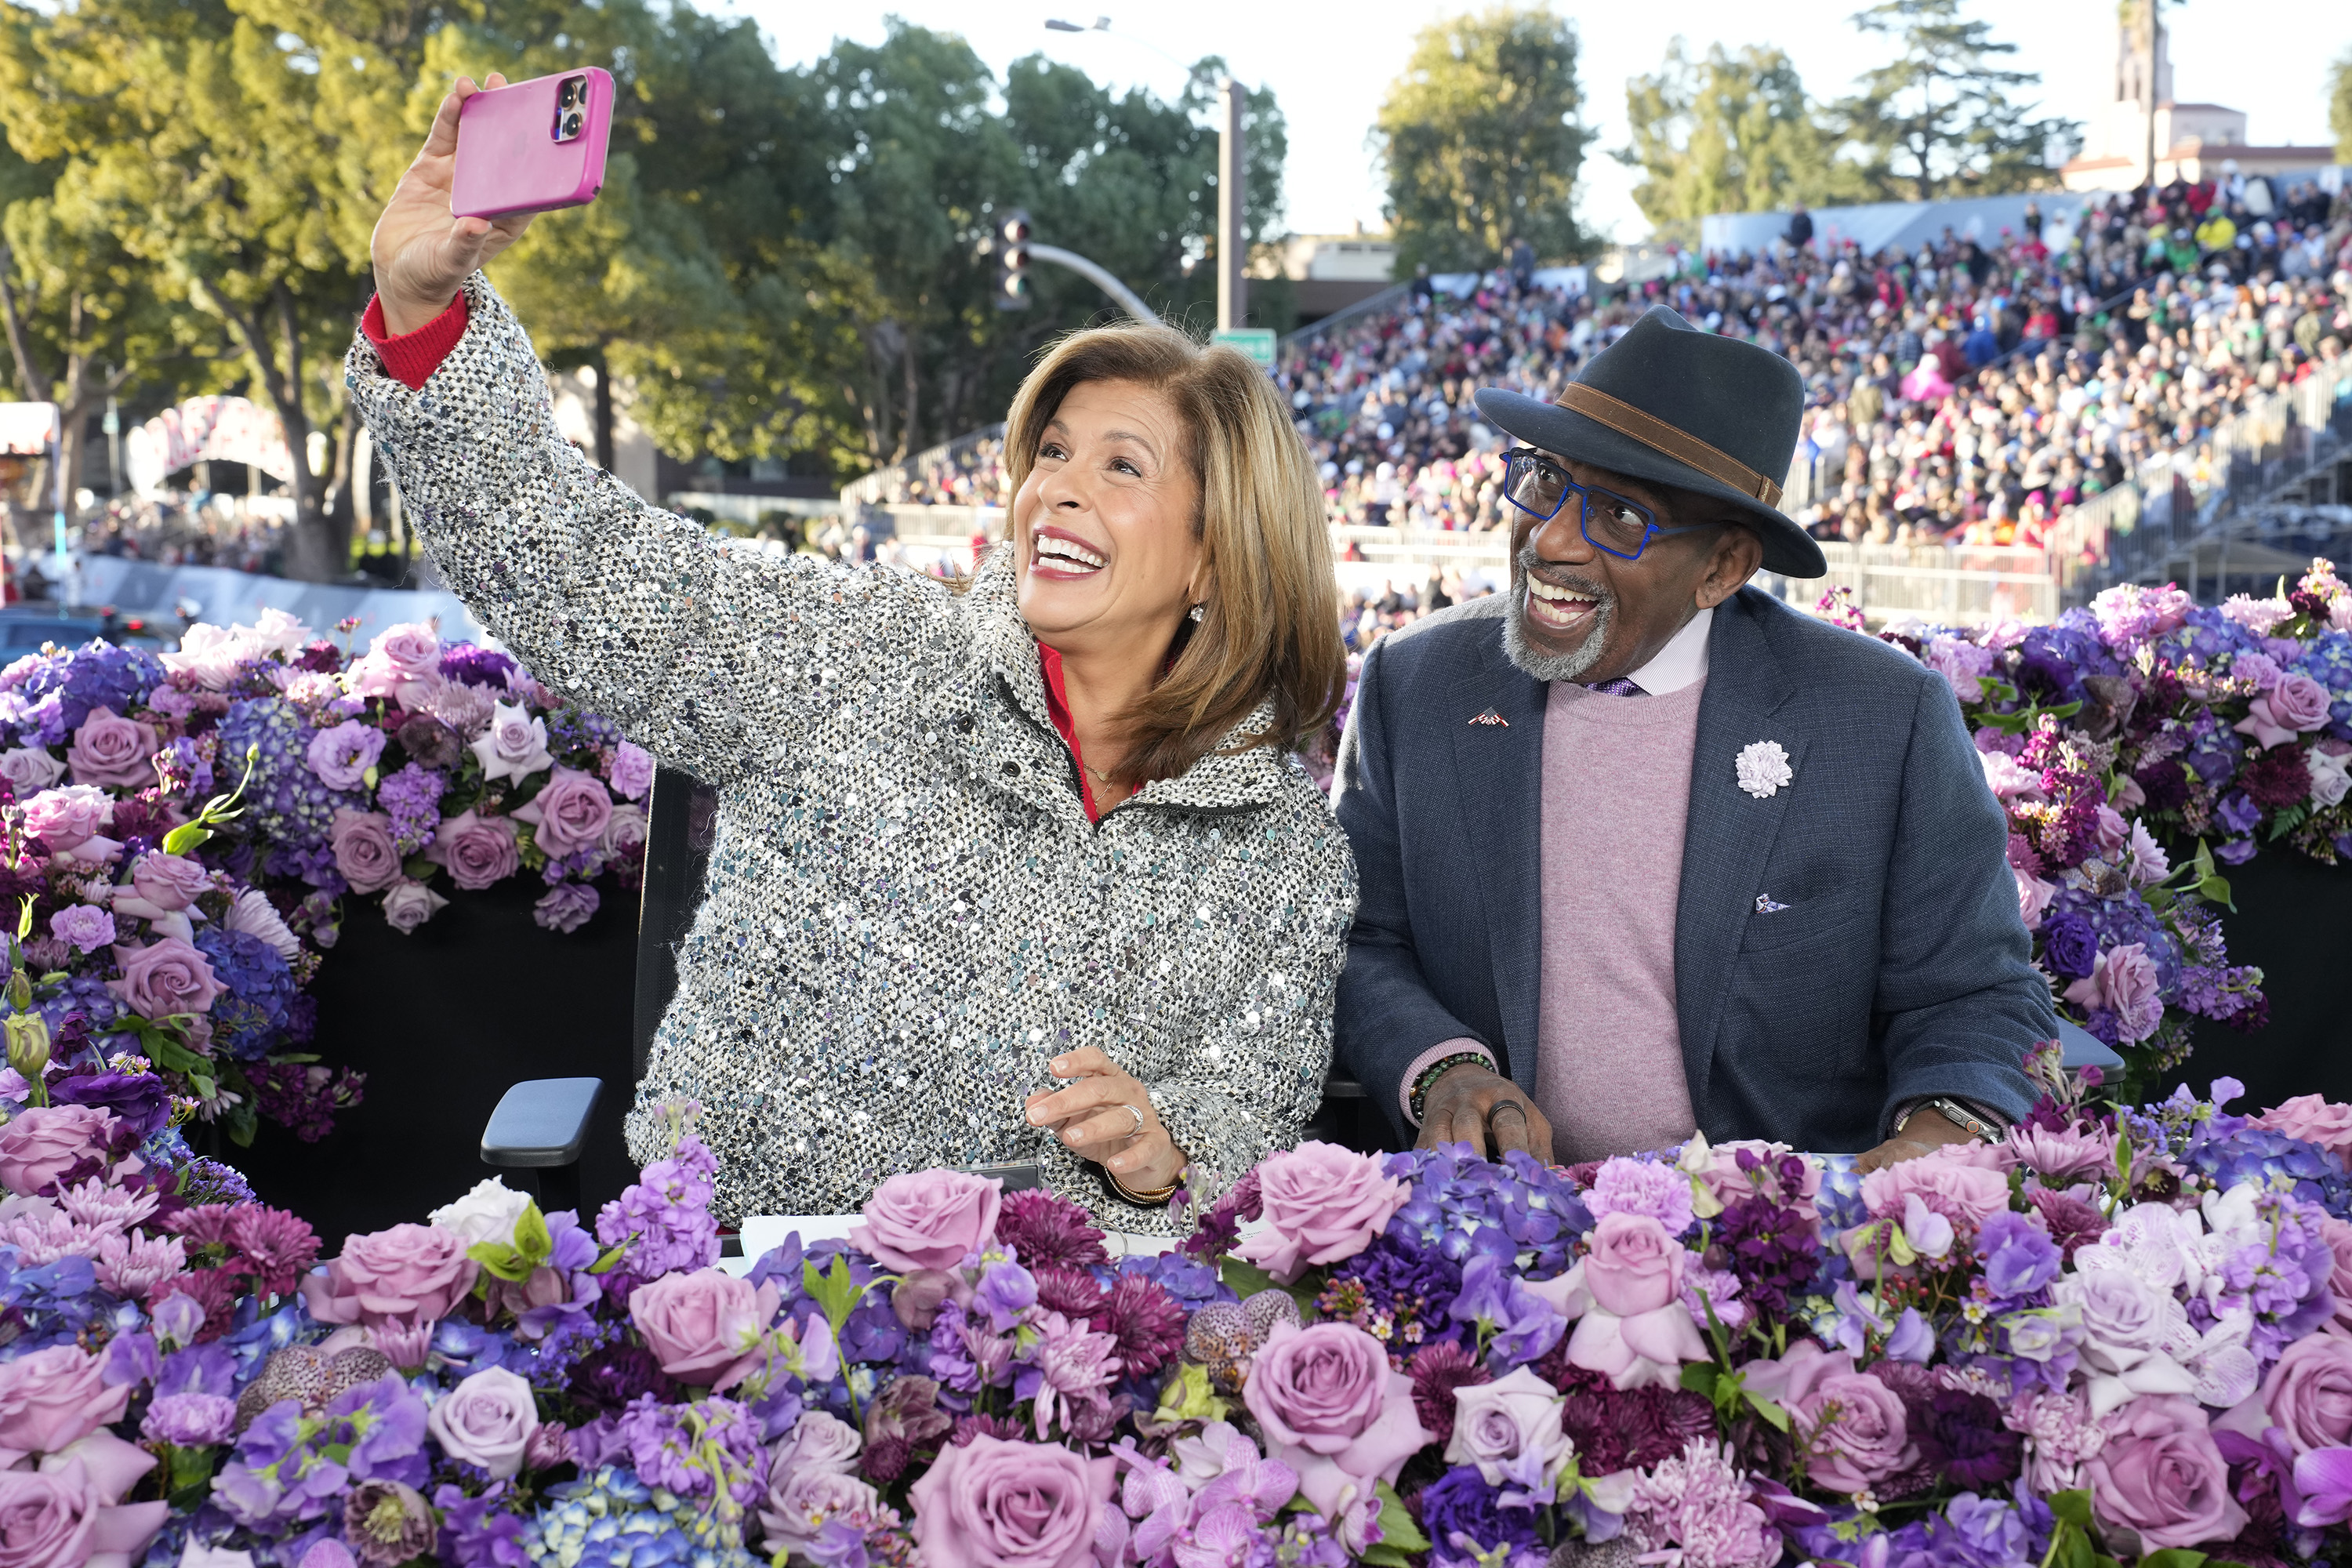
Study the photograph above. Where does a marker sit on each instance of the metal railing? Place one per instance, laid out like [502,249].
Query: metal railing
[2152,524]
[1955,586]
[885,486]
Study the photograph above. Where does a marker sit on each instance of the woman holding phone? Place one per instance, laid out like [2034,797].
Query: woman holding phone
[1017,869]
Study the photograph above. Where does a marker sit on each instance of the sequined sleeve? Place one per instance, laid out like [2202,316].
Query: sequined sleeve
[708,652]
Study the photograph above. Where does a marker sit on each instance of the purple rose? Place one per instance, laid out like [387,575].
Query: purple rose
[1323,1204]
[2069,945]
[1856,1431]
[412,650]
[67,818]
[1332,1409]
[2160,1482]
[166,976]
[190,1420]
[2309,1392]
[479,850]
[364,851]
[2124,983]
[169,882]
[29,770]
[487,1420]
[343,755]
[44,1143]
[1500,1426]
[410,905]
[2299,702]
[927,1219]
[514,746]
[84,927]
[49,1398]
[994,1504]
[569,812]
[624,835]
[701,1325]
[631,773]
[112,752]
[566,907]
[411,1274]
[65,1515]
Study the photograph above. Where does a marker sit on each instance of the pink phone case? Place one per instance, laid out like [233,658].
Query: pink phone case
[509,159]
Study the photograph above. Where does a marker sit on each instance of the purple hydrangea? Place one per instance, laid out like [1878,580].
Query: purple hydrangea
[251,1018]
[411,796]
[287,806]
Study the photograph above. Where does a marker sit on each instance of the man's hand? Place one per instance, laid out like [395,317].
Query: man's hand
[420,252]
[1471,1105]
[1928,1131]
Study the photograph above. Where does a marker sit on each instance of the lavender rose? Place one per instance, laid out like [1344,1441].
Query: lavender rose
[477,850]
[30,770]
[817,1442]
[49,1398]
[566,907]
[798,1504]
[1323,1204]
[169,882]
[569,812]
[927,1219]
[632,771]
[2314,1118]
[112,752]
[1857,1431]
[1499,1425]
[410,905]
[2309,1392]
[2126,983]
[84,927]
[994,1504]
[66,1516]
[343,755]
[700,1325]
[1635,1266]
[166,976]
[624,835]
[1332,1409]
[411,1274]
[44,1143]
[65,819]
[2160,1482]
[515,746]
[190,1420]
[487,1420]
[2299,703]
[364,851]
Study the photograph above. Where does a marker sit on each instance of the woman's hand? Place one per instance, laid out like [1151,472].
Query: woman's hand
[1106,1117]
[422,254]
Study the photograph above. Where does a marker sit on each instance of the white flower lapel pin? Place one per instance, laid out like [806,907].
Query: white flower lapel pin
[1763,769]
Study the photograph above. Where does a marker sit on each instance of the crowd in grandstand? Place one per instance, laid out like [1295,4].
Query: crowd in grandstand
[1961,391]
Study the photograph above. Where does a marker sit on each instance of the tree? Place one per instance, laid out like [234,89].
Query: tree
[1937,122]
[2339,106]
[1730,133]
[1481,140]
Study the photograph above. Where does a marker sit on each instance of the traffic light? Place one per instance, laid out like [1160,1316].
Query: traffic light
[1012,247]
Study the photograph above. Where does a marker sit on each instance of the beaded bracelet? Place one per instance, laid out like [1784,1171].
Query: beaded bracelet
[1438,1069]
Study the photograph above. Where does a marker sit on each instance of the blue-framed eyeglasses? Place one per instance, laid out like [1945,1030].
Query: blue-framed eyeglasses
[1610,522]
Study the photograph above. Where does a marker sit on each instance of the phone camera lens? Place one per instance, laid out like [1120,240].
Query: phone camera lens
[569,98]
[571,123]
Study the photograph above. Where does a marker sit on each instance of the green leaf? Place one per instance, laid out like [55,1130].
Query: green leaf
[1699,1376]
[834,1290]
[242,1123]
[1246,1279]
[611,1259]
[1397,1528]
[2074,1507]
[1769,1408]
[2174,1557]
[186,837]
[2216,889]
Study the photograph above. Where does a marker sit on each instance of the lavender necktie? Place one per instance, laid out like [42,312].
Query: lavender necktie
[1621,687]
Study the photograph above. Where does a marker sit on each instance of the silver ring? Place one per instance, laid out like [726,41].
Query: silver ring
[1136,1112]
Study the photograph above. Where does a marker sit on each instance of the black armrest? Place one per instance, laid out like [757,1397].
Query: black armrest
[541,1123]
[2082,1049]
[1337,1087]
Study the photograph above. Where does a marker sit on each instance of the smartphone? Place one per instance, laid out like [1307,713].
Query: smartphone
[533,146]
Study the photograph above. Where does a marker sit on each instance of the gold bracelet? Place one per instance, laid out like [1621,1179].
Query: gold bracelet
[1145,1200]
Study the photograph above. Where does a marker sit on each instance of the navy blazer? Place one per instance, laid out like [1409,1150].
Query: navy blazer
[1898,969]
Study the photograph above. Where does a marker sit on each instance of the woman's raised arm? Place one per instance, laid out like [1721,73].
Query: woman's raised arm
[706,652]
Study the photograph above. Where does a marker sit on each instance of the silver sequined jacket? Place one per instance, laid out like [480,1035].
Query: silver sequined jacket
[908,913]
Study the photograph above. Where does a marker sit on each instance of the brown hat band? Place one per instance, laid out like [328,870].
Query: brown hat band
[1675,443]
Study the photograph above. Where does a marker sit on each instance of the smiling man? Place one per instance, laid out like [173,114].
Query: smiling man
[1644,851]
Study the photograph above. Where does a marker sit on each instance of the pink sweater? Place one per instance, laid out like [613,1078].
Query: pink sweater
[1616,792]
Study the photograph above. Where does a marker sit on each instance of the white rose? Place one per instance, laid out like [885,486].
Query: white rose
[515,746]
[487,1214]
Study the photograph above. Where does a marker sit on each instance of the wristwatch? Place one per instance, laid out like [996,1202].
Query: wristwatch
[1953,1112]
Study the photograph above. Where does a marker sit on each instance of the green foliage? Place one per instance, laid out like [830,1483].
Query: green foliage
[1938,121]
[1400,1538]
[515,1261]
[2339,106]
[1482,143]
[1733,133]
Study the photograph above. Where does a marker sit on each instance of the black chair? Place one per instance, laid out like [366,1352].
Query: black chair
[542,1125]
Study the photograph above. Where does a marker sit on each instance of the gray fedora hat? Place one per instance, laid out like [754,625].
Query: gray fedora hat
[1679,407]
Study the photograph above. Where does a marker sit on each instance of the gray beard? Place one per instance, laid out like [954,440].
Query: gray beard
[1535,661]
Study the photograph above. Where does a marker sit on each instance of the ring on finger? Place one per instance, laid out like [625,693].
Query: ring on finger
[1137,1112]
[1500,1106]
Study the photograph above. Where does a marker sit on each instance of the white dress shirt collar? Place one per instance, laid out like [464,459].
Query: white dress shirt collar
[1680,662]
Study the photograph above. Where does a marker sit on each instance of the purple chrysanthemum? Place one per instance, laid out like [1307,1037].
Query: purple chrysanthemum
[1046,1231]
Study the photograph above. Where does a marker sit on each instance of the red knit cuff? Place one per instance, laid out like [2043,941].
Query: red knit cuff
[411,358]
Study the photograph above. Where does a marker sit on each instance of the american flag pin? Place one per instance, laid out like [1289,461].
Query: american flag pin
[1491,717]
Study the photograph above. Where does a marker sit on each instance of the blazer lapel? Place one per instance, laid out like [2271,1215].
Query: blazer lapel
[1499,766]
[1729,834]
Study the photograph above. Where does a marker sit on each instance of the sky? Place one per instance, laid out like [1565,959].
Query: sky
[1329,64]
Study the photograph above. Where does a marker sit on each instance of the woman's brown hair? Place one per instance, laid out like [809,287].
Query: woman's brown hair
[1270,626]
